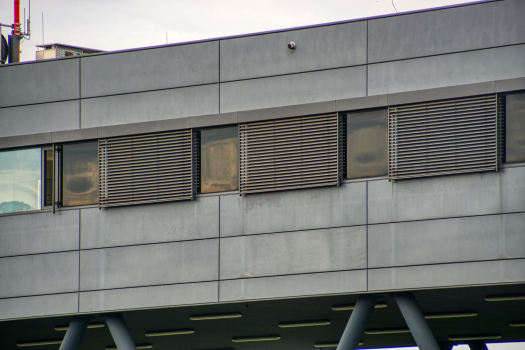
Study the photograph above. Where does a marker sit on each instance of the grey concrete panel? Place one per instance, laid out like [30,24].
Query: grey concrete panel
[443,275]
[152,264]
[36,119]
[302,209]
[25,140]
[152,223]
[150,106]
[317,48]
[361,103]
[39,233]
[75,135]
[213,119]
[293,252]
[143,127]
[441,93]
[446,70]
[39,274]
[287,111]
[448,30]
[146,297]
[293,286]
[151,69]
[38,306]
[45,81]
[447,240]
[231,215]
[509,85]
[447,196]
[293,89]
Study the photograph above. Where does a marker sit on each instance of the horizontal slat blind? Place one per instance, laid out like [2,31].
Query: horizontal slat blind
[289,153]
[443,137]
[145,168]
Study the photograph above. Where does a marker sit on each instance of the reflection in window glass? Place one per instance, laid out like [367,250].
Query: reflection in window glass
[515,128]
[20,180]
[48,177]
[219,159]
[80,174]
[367,144]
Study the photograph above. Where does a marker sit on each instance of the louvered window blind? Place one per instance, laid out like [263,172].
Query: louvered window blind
[145,168]
[290,153]
[444,137]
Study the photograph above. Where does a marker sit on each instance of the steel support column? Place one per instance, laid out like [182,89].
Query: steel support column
[355,328]
[75,331]
[119,332]
[477,345]
[416,321]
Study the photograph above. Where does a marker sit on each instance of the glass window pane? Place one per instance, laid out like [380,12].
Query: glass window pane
[367,144]
[219,159]
[515,128]
[48,177]
[80,174]
[20,180]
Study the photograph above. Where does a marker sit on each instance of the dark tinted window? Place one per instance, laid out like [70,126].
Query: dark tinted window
[515,128]
[219,159]
[367,144]
[48,177]
[80,174]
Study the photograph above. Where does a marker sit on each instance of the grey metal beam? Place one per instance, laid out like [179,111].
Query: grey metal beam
[75,332]
[355,327]
[477,345]
[416,321]
[119,331]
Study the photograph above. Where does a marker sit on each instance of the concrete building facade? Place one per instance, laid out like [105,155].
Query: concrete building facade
[266,259]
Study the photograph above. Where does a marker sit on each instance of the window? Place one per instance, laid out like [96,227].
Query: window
[515,128]
[219,158]
[79,174]
[367,144]
[20,180]
[28,177]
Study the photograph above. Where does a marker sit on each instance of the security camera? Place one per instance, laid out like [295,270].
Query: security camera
[291,46]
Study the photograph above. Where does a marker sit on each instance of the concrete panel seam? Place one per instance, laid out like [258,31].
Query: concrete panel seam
[448,217]
[151,243]
[39,103]
[446,53]
[134,287]
[295,73]
[444,263]
[142,91]
[298,274]
[43,253]
[292,231]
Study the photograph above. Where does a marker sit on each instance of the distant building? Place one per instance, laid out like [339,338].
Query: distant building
[56,50]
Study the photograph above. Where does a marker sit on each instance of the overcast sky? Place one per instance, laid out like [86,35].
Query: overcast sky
[125,24]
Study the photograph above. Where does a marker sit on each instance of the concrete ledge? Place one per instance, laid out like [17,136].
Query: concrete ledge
[146,297]
[441,93]
[361,103]
[286,111]
[213,120]
[38,306]
[25,140]
[446,275]
[509,85]
[143,127]
[74,135]
[293,285]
